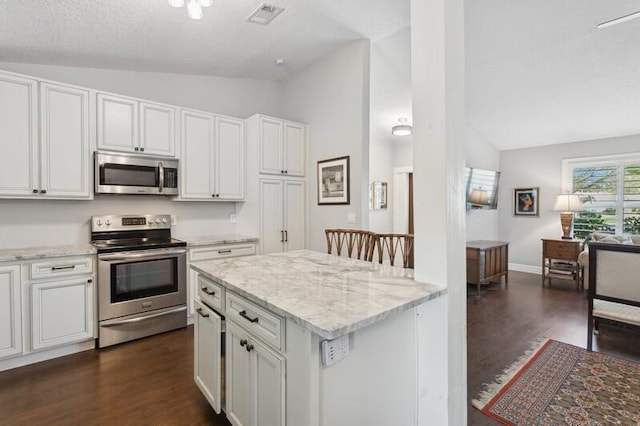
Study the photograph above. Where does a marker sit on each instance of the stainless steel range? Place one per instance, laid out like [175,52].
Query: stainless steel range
[141,277]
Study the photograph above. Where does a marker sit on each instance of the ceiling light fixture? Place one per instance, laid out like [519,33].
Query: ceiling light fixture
[402,129]
[619,20]
[194,7]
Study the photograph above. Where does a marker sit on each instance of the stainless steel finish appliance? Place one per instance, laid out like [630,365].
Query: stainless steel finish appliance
[142,274]
[118,173]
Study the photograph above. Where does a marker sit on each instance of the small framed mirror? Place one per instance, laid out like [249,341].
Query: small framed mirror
[378,195]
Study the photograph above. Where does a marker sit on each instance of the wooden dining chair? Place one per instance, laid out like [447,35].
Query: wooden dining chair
[390,245]
[359,244]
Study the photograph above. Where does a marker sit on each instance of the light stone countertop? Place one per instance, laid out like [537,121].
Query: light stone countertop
[209,240]
[41,252]
[326,294]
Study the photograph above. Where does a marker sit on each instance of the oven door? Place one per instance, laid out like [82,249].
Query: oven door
[140,281]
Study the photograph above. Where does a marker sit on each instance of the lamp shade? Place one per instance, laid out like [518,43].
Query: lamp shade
[479,196]
[568,203]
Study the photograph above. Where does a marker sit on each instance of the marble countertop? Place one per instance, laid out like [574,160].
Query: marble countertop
[41,252]
[329,295]
[209,240]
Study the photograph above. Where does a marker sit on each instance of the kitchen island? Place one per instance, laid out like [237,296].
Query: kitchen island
[283,311]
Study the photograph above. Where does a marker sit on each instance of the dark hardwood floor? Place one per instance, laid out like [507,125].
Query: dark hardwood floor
[150,381]
[503,322]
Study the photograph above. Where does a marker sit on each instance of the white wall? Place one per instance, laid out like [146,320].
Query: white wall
[25,223]
[332,96]
[542,167]
[482,224]
[390,99]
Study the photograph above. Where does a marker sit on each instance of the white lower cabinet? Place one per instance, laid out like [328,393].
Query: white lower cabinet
[61,312]
[10,312]
[207,354]
[255,380]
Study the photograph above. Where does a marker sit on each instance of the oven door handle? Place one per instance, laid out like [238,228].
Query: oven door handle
[139,255]
[114,323]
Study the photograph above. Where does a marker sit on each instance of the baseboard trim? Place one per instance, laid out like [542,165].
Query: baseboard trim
[525,268]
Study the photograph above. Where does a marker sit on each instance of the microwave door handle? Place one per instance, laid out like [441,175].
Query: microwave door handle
[161,171]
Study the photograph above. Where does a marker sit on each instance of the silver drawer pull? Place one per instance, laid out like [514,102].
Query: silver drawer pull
[209,292]
[244,315]
[199,310]
[224,251]
[63,268]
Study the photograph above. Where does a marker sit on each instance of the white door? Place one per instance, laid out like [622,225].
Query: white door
[271,146]
[18,136]
[271,216]
[157,129]
[65,141]
[197,155]
[117,123]
[294,149]
[268,376]
[10,311]
[294,217]
[230,158]
[207,353]
[61,312]
[238,389]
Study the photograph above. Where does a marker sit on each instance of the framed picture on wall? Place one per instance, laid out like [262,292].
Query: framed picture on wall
[333,181]
[526,202]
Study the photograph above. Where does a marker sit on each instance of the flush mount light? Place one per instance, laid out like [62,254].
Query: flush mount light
[194,7]
[402,129]
[619,20]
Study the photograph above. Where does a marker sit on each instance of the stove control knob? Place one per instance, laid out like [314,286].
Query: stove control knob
[158,220]
[99,222]
[164,220]
[107,222]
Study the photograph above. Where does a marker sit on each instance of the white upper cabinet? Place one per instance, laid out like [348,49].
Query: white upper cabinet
[282,147]
[65,141]
[18,136]
[56,164]
[212,157]
[126,124]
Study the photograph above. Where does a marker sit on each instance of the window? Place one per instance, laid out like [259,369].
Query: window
[609,187]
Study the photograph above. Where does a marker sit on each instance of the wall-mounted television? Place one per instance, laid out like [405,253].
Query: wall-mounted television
[481,188]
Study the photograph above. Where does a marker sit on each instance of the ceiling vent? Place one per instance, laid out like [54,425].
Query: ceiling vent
[264,14]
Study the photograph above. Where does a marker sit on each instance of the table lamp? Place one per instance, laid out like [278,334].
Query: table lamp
[567,204]
[478,198]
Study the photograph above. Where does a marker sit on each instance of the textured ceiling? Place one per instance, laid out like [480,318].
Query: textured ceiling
[150,35]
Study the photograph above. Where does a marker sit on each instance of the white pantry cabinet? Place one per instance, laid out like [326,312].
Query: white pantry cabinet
[282,215]
[56,164]
[207,352]
[10,311]
[213,157]
[255,380]
[282,146]
[131,125]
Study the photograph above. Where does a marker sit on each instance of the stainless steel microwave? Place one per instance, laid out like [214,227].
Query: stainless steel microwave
[119,173]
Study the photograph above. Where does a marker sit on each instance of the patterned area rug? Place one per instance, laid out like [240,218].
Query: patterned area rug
[561,384]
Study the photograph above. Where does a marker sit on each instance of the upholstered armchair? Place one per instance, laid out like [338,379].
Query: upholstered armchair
[599,237]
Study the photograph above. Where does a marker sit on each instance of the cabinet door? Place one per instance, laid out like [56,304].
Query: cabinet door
[207,354]
[10,311]
[271,146]
[197,155]
[61,312]
[271,216]
[65,142]
[157,129]
[268,376]
[238,390]
[294,149]
[18,136]
[294,217]
[230,158]
[117,123]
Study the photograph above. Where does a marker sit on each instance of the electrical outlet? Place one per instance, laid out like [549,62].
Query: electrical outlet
[334,350]
[233,218]
[351,218]
[174,220]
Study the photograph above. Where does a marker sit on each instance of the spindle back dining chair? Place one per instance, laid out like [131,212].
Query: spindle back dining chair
[388,246]
[356,243]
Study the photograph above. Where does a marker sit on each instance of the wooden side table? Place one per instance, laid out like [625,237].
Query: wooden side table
[487,261]
[560,261]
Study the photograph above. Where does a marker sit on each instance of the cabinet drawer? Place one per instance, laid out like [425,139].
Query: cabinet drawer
[222,251]
[562,252]
[258,321]
[211,294]
[62,267]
